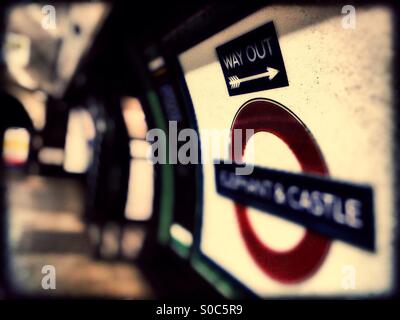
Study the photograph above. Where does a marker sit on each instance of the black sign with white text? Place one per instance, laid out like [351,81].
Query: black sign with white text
[253,61]
[335,209]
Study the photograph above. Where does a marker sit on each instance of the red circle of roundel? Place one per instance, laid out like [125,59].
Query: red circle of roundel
[303,260]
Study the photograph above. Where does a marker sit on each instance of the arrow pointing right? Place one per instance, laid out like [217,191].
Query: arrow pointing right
[235,81]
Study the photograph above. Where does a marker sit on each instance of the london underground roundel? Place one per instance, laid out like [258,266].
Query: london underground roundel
[295,264]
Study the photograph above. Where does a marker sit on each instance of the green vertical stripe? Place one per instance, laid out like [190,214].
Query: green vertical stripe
[167,176]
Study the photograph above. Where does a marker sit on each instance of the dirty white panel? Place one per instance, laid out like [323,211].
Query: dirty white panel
[340,86]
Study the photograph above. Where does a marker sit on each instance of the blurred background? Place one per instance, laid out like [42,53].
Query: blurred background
[83,82]
[78,190]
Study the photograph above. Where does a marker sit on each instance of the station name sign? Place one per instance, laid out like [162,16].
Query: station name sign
[335,209]
[253,62]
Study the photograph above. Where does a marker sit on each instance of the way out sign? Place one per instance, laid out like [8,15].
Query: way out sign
[253,62]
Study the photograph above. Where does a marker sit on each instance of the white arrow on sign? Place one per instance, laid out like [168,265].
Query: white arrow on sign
[235,81]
